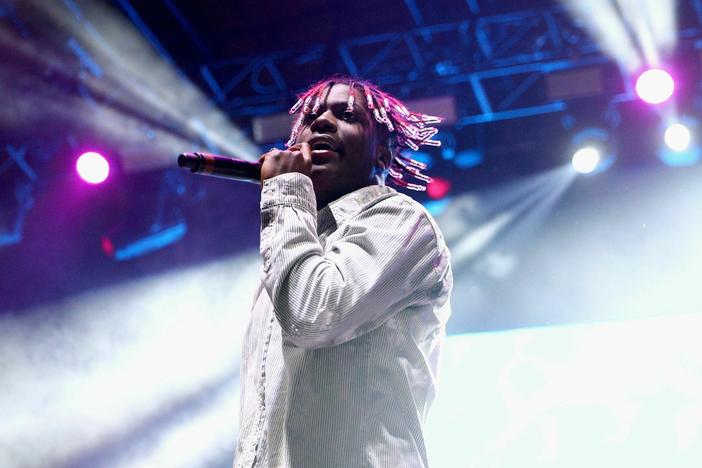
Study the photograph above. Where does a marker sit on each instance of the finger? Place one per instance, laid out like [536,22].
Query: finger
[267,153]
[306,151]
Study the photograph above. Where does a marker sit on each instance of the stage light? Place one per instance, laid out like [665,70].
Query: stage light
[678,137]
[468,158]
[422,157]
[655,86]
[107,246]
[158,239]
[586,159]
[680,146]
[438,188]
[592,150]
[92,167]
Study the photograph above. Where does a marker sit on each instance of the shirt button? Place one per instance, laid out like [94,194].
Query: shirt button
[436,290]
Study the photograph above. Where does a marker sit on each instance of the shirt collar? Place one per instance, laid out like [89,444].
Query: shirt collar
[346,206]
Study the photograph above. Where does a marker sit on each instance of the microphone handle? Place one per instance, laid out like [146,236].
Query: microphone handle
[221,166]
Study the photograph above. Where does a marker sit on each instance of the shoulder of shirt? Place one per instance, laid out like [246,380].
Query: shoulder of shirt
[386,196]
[415,206]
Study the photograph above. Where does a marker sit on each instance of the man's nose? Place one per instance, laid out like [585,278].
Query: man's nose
[324,123]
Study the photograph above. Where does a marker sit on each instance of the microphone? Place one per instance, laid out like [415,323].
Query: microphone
[221,166]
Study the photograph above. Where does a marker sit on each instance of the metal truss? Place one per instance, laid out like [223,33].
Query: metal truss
[13,223]
[432,58]
[492,64]
[468,52]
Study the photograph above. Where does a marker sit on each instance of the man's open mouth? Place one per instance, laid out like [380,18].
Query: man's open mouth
[324,143]
[323,146]
[324,149]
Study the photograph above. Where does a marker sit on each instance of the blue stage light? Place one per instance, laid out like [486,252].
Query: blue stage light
[154,241]
[680,146]
[586,159]
[688,157]
[422,157]
[591,151]
[678,137]
[468,158]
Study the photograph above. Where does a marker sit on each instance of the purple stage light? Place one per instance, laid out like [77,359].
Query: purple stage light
[92,167]
[655,86]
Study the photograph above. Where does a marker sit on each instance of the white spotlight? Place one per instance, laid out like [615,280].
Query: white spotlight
[677,137]
[655,86]
[586,159]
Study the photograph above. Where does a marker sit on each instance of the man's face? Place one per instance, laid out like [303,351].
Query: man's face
[344,145]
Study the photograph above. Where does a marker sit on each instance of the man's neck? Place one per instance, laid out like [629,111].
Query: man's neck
[323,203]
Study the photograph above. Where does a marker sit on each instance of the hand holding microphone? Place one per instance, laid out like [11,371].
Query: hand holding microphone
[221,166]
[297,158]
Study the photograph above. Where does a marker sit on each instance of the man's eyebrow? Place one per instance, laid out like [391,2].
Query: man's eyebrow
[340,104]
[357,108]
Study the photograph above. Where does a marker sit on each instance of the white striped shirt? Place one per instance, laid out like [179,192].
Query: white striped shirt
[340,358]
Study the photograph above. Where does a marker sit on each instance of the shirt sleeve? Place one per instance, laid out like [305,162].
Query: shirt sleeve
[387,258]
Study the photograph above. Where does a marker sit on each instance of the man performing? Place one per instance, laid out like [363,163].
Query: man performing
[340,358]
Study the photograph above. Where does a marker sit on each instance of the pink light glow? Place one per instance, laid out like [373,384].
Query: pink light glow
[92,167]
[438,188]
[655,86]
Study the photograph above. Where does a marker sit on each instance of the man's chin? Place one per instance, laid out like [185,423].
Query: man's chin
[318,170]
